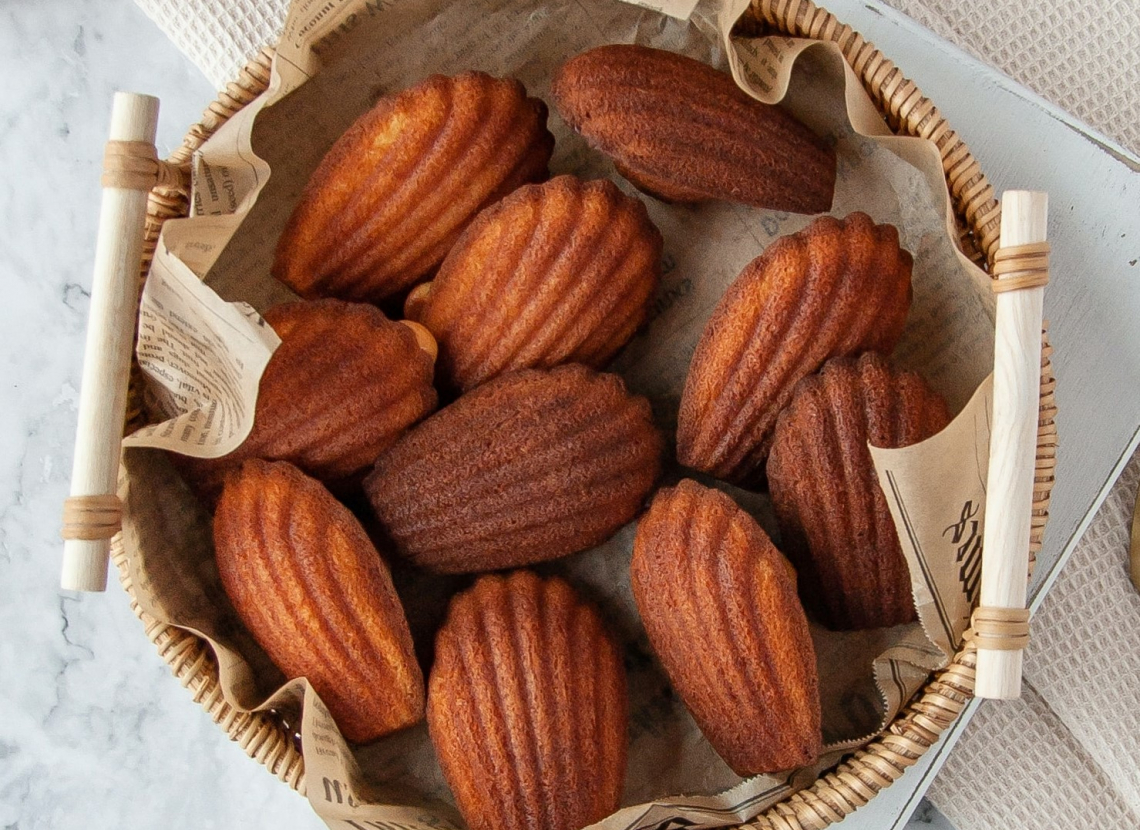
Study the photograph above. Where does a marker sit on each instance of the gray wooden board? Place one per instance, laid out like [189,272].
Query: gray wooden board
[1092,302]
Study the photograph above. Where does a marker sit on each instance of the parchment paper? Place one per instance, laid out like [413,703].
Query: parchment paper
[367,49]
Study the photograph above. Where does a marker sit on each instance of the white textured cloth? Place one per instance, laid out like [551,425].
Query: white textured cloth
[219,36]
[1068,753]
[1081,55]
[1070,749]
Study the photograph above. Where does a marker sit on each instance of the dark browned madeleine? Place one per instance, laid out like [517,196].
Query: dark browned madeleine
[530,466]
[344,384]
[560,272]
[396,190]
[834,519]
[835,288]
[527,706]
[680,130]
[719,605]
[311,588]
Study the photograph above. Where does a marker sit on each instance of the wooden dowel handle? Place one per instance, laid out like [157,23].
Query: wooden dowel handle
[1001,627]
[91,515]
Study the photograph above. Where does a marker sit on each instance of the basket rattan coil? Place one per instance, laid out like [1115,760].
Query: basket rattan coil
[858,779]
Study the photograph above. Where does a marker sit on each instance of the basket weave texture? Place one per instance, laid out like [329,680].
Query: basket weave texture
[858,779]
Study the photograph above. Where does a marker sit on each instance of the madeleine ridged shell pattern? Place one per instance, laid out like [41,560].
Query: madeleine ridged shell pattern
[530,466]
[527,706]
[396,190]
[833,517]
[719,606]
[681,130]
[560,272]
[344,384]
[834,289]
[313,591]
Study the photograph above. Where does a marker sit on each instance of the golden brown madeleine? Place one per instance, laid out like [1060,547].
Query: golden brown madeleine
[344,384]
[560,272]
[395,191]
[530,466]
[681,130]
[833,517]
[719,606]
[835,288]
[313,591]
[527,706]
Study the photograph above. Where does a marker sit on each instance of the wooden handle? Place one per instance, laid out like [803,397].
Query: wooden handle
[91,514]
[1013,449]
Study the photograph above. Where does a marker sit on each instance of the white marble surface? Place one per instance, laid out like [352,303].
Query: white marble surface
[96,732]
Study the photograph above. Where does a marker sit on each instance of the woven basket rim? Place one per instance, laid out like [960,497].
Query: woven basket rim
[918,726]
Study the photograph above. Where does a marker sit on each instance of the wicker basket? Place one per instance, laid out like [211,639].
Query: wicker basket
[858,779]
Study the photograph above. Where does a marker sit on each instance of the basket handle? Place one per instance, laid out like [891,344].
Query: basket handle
[92,513]
[1021,269]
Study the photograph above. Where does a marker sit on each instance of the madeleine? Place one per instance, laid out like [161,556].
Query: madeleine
[835,288]
[395,191]
[530,466]
[833,516]
[719,606]
[308,584]
[527,706]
